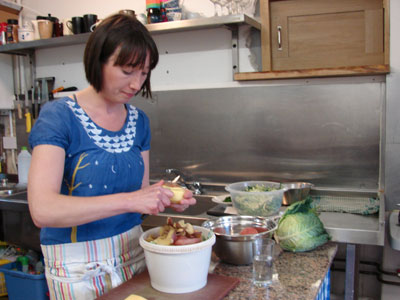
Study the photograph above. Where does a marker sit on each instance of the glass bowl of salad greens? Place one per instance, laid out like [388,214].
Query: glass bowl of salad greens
[256,198]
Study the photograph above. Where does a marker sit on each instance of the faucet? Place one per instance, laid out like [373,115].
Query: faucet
[194,186]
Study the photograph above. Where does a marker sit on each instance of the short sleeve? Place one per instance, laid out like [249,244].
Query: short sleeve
[144,134]
[52,126]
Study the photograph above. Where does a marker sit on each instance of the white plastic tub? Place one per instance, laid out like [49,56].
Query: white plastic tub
[178,269]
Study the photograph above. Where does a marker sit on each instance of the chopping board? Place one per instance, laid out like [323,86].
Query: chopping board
[216,288]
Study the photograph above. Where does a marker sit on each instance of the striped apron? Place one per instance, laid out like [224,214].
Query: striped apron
[86,270]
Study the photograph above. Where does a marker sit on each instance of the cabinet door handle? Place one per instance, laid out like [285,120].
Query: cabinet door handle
[279,37]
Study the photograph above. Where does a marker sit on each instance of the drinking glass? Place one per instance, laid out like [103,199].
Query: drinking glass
[263,258]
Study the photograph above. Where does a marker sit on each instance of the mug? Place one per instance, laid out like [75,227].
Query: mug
[88,21]
[35,26]
[66,29]
[58,29]
[45,29]
[76,25]
[93,27]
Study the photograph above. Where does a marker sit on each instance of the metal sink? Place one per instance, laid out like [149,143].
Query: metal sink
[6,192]
[11,189]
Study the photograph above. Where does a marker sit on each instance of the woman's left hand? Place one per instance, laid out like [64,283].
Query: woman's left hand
[187,200]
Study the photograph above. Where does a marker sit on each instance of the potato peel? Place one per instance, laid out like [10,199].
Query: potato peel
[176,233]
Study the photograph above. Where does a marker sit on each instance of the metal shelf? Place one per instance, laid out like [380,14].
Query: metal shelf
[232,21]
[204,23]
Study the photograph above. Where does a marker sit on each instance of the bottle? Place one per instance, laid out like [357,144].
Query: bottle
[163,11]
[24,263]
[153,11]
[24,162]
[12,31]
[3,31]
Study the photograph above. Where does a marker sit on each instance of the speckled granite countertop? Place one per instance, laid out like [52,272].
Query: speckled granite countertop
[297,276]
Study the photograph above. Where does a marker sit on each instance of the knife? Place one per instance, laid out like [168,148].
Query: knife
[37,103]
[45,91]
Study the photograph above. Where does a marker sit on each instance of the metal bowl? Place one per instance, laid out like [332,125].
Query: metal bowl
[232,247]
[296,191]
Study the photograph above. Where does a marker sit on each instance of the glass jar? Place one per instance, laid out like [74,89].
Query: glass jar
[12,31]
[153,11]
[153,15]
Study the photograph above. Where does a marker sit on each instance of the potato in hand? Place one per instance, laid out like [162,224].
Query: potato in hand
[176,189]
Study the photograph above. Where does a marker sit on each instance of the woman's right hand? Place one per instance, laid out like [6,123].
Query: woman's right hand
[152,199]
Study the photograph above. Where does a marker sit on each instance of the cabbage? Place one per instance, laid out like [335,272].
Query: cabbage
[300,228]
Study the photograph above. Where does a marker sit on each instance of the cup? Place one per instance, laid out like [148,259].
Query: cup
[66,29]
[88,21]
[45,29]
[35,26]
[76,25]
[93,27]
[58,29]
[263,258]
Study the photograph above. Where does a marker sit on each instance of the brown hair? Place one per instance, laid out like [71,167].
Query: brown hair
[134,42]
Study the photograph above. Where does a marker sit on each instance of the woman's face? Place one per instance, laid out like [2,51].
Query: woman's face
[121,83]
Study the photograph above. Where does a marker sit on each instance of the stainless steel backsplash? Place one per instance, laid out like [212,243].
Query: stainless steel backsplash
[325,134]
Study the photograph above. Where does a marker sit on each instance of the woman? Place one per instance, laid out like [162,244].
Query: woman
[89,177]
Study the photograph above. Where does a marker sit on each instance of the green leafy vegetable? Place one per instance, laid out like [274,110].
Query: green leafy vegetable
[300,228]
[260,188]
[258,205]
[227,199]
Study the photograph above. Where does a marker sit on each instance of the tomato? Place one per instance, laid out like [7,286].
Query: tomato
[183,240]
[219,230]
[248,230]
[259,229]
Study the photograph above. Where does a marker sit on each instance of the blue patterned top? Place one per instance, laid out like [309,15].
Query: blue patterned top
[104,162]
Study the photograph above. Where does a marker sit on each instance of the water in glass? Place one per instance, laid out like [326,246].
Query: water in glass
[262,270]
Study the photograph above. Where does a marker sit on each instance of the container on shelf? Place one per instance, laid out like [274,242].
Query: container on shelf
[3,31]
[24,162]
[26,33]
[153,11]
[12,31]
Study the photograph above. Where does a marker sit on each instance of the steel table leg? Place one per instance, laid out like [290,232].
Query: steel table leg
[352,265]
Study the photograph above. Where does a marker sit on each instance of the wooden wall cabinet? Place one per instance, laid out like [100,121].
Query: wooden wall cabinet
[8,10]
[318,38]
